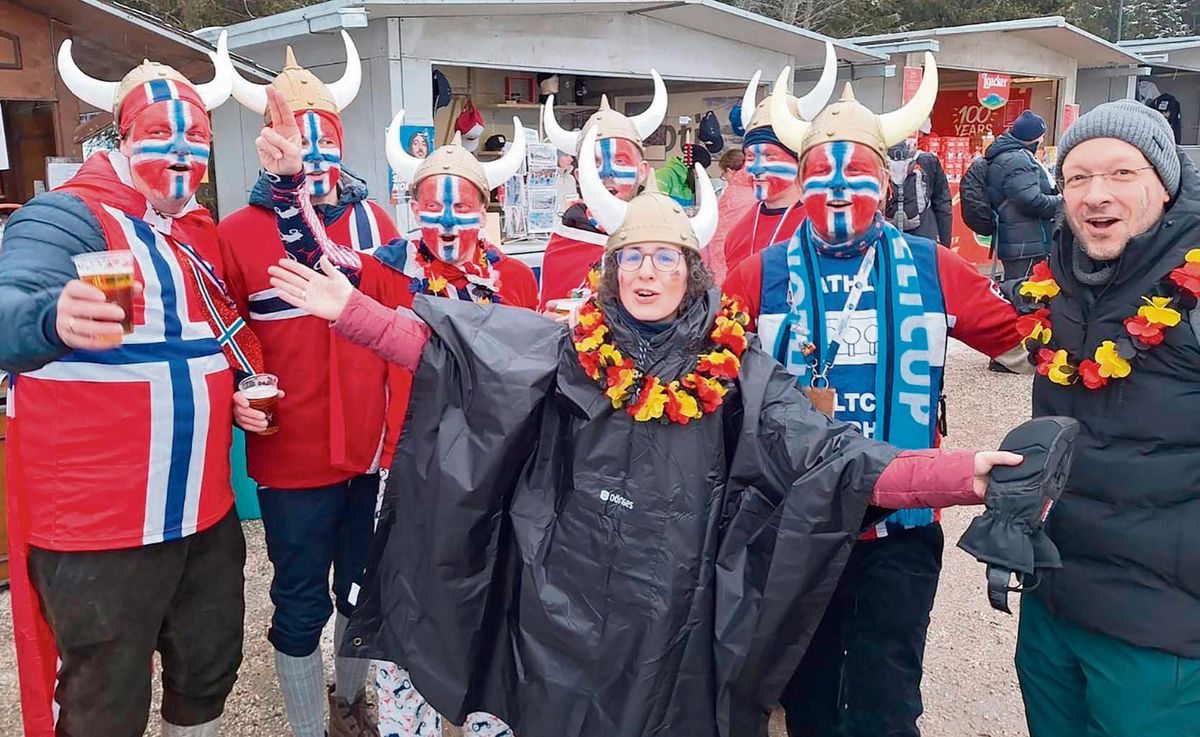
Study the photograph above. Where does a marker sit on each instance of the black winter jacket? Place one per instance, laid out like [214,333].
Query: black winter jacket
[1128,524]
[1023,198]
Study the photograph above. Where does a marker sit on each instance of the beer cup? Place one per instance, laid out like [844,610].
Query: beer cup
[112,273]
[262,391]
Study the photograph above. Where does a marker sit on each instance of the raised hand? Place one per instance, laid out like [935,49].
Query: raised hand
[322,295]
[278,144]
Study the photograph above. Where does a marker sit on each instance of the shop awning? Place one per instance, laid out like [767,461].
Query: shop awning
[705,16]
[110,39]
[1181,53]
[1052,32]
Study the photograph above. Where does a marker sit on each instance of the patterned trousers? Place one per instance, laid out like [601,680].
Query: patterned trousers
[403,713]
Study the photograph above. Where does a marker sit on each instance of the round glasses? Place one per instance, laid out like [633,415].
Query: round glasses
[663,259]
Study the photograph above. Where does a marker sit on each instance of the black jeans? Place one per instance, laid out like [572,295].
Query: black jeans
[861,674]
[111,609]
[309,531]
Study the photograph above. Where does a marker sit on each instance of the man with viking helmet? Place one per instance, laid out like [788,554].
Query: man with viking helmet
[450,258]
[860,313]
[628,528]
[120,503]
[317,475]
[577,243]
[773,168]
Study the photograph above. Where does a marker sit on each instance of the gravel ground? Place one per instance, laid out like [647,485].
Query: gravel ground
[970,687]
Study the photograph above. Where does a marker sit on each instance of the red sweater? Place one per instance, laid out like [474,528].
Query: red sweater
[331,418]
[759,228]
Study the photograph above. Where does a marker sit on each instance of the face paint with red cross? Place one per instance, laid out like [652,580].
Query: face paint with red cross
[772,169]
[618,162]
[168,145]
[322,153]
[841,184]
[450,212]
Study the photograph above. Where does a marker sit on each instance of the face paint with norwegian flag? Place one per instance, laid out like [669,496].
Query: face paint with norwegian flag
[450,212]
[322,153]
[841,184]
[771,168]
[168,145]
[617,162]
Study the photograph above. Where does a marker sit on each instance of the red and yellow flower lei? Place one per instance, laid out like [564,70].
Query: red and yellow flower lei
[1112,359]
[649,398]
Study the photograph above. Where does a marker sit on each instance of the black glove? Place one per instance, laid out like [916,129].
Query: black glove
[1008,536]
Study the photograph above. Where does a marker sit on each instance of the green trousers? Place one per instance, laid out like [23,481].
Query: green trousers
[1078,683]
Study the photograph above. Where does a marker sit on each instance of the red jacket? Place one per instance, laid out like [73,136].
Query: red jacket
[759,228]
[331,419]
[571,252]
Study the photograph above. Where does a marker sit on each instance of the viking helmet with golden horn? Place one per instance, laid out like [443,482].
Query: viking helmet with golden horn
[301,87]
[849,120]
[651,217]
[109,96]
[608,122]
[455,160]
[806,107]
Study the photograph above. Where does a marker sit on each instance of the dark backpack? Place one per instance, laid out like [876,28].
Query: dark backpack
[973,198]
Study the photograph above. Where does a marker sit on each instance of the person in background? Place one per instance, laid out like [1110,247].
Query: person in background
[677,180]
[730,164]
[1022,196]
[737,198]
[919,200]
[1109,644]
[317,475]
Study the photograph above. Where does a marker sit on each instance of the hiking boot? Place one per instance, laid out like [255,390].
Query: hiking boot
[351,720]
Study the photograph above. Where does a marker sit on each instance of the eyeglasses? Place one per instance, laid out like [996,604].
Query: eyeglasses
[663,259]
[1116,176]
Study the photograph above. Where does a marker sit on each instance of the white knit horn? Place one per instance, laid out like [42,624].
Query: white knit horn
[902,123]
[215,93]
[402,162]
[819,95]
[500,171]
[345,89]
[608,209]
[95,92]
[749,99]
[563,140]
[649,120]
[704,222]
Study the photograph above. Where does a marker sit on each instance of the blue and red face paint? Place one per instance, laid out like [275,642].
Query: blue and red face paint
[841,186]
[450,212]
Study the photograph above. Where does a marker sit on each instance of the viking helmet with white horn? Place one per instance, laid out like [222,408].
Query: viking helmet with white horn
[608,122]
[455,160]
[651,217]
[806,107]
[849,120]
[301,87]
[108,96]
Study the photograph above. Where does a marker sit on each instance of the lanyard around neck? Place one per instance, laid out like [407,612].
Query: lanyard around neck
[775,233]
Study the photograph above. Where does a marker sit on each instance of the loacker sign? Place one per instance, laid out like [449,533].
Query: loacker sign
[992,90]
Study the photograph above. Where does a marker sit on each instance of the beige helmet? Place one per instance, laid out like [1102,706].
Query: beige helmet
[805,107]
[608,122]
[651,217]
[455,160]
[849,120]
[108,96]
[302,88]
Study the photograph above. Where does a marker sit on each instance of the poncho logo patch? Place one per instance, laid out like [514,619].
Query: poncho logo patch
[615,498]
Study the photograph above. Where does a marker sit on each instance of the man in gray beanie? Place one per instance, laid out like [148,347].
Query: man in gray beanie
[1109,643]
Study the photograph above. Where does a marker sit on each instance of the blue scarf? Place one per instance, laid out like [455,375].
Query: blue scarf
[902,376]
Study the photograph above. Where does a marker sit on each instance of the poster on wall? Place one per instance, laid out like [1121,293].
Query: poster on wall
[417,141]
[959,113]
[992,90]
[1070,114]
[912,80]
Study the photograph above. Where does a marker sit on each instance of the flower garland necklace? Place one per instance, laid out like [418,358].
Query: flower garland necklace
[479,273]
[647,397]
[1112,359]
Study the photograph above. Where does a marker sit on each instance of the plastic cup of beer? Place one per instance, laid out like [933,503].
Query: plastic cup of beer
[262,391]
[112,273]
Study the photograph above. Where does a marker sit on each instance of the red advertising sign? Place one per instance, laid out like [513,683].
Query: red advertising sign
[992,90]
[912,80]
[959,113]
[1070,114]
